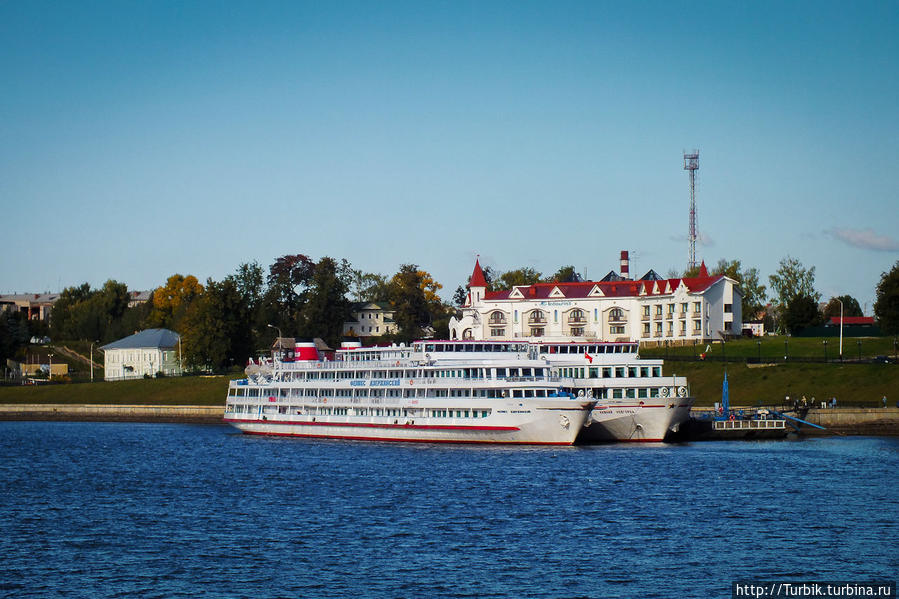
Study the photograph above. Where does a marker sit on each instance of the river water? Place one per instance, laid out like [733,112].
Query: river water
[176,510]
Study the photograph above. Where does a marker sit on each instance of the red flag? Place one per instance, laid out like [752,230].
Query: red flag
[589,357]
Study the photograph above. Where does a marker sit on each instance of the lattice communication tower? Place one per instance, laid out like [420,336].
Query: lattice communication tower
[691,165]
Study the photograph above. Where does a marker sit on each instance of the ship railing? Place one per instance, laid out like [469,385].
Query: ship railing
[342,365]
[749,424]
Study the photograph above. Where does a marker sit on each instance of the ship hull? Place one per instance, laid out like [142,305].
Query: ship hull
[650,422]
[538,423]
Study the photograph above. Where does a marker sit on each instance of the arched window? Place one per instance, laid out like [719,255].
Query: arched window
[536,317]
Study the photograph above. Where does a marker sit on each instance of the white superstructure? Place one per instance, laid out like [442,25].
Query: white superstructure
[461,391]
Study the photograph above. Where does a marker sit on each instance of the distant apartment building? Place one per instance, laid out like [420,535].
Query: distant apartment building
[370,319]
[650,309]
[35,306]
[136,298]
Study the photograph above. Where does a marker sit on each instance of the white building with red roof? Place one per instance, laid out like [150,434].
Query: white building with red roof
[681,310]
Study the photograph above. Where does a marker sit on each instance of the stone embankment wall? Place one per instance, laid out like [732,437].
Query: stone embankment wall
[857,421]
[99,412]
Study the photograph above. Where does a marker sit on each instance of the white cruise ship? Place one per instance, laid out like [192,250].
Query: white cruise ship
[478,392]
[460,391]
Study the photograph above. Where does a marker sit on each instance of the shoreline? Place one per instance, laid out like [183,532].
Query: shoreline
[113,413]
[838,421]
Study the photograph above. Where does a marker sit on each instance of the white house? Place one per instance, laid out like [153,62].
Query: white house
[370,319]
[145,353]
[652,309]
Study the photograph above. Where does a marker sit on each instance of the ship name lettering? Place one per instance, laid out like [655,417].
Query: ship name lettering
[385,383]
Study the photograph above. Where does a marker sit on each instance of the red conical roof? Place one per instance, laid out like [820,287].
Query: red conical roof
[477,277]
[703,271]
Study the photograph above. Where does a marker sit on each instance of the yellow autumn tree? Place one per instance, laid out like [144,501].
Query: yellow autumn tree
[171,302]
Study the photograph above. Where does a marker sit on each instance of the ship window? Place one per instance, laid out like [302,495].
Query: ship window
[517,393]
[631,393]
[653,392]
[616,393]
[529,393]
[644,371]
[541,393]
[632,372]
[641,393]
[606,373]
[656,371]
[593,372]
[619,371]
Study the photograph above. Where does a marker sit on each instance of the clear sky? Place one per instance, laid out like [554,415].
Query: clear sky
[141,139]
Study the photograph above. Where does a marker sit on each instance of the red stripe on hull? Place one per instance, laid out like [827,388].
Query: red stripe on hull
[446,427]
[629,406]
[400,439]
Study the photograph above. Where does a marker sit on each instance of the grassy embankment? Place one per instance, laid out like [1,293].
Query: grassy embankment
[851,382]
[189,390]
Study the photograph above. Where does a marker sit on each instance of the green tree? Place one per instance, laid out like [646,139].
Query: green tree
[217,328]
[249,279]
[287,281]
[793,280]
[754,295]
[407,297]
[566,274]
[64,316]
[326,307]
[87,314]
[851,308]
[460,296]
[886,304]
[369,287]
[513,278]
[801,312]
[14,334]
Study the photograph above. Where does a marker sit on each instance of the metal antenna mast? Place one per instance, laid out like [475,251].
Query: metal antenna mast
[691,164]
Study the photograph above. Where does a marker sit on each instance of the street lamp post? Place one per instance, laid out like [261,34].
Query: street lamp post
[92,360]
[786,353]
[858,342]
[825,351]
[760,351]
[841,328]
[50,372]
[280,349]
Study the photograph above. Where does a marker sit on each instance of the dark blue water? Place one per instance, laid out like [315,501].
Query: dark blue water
[167,510]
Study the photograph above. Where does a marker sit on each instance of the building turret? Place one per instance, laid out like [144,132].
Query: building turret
[477,285]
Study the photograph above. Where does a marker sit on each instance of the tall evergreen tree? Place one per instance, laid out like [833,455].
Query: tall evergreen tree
[326,307]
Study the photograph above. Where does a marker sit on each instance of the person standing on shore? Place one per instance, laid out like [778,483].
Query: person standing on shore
[884,401]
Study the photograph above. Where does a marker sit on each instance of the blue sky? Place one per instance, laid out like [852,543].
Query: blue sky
[141,139]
